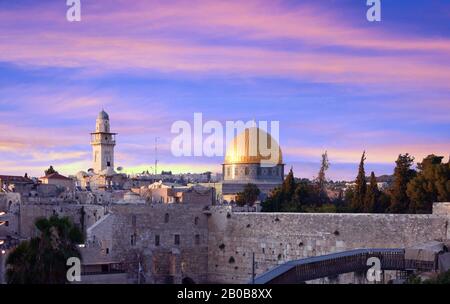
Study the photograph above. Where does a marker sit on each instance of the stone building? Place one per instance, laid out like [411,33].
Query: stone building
[167,193]
[9,183]
[58,180]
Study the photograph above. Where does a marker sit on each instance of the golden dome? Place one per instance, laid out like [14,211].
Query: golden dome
[246,148]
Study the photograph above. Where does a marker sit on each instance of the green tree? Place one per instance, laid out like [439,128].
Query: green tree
[402,176]
[431,184]
[50,171]
[288,186]
[42,260]
[321,179]
[281,196]
[372,195]
[273,202]
[248,196]
[384,201]
[442,278]
[360,189]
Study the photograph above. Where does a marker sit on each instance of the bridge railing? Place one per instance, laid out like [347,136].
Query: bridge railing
[335,264]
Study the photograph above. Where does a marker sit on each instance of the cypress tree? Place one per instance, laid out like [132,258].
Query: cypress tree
[372,196]
[360,187]
[288,186]
[321,179]
[402,176]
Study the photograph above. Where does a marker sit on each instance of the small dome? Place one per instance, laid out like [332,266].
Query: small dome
[103,115]
[81,174]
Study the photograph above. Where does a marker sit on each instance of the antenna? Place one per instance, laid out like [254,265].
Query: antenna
[156,155]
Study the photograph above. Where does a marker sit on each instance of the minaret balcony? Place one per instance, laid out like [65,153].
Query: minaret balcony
[103,138]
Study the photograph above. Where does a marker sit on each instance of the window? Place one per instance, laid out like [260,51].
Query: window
[197,239]
[133,220]
[108,164]
[166,218]
[157,240]
[235,171]
[246,171]
[196,221]
[229,171]
[133,240]
[107,250]
[177,239]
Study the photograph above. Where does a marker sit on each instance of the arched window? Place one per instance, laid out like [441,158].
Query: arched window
[166,218]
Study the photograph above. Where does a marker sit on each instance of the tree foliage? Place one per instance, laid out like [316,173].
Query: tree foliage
[403,173]
[50,170]
[371,202]
[42,260]
[292,196]
[410,191]
[359,194]
[321,179]
[248,196]
[431,184]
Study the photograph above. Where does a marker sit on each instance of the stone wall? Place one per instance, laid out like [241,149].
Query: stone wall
[276,238]
[132,231]
[29,213]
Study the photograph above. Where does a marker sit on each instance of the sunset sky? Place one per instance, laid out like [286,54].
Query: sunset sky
[335,81]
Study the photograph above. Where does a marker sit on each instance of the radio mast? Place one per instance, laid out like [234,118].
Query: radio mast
[156,155]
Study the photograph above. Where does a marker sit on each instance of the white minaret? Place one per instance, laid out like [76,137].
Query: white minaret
[103,142]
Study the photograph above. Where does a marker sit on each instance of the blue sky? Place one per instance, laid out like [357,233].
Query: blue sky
[335,81]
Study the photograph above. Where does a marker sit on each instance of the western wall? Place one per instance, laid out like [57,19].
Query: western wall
[276,238]
[216,245]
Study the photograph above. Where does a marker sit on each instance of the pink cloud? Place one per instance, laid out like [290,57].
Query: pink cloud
[162,37]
